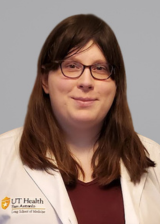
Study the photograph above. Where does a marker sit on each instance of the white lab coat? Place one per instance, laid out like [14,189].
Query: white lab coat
[48,196]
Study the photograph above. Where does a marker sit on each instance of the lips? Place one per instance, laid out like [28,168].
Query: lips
[84,99]
[84,102]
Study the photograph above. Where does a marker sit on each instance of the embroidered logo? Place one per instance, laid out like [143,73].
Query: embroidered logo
[5,202]
[24,205]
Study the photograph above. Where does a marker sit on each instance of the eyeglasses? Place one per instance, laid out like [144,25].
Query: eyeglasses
[73,70]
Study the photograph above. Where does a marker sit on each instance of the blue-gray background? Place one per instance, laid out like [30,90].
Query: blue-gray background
[24,26]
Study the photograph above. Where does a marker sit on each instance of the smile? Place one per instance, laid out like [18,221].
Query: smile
[84,101]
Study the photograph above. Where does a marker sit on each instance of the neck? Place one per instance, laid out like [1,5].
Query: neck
[81,144]
[81,140]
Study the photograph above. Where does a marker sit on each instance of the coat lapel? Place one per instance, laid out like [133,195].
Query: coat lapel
[52,186]
[131,196]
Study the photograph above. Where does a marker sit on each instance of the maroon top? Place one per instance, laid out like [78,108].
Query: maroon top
[94,205]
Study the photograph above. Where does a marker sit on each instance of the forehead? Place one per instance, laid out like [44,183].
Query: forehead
[91,52]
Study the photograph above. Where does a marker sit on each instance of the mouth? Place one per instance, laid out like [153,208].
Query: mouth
[84,102]
[84,99]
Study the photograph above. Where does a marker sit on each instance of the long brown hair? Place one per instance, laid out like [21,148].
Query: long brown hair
[42,137]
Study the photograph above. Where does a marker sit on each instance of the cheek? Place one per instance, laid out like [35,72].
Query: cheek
[59,84]
[59,89]
[108,91]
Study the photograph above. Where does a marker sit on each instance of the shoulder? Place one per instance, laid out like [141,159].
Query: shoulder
[11,134]
[153,150]
[9,149]
[152,147]
[10,141]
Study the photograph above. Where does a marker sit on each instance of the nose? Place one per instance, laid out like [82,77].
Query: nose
[86,81]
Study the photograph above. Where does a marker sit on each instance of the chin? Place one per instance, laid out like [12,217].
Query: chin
[86,121]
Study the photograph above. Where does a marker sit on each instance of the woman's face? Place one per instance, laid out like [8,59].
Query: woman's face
[82,102]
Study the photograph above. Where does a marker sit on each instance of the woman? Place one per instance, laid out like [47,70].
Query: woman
[77,158]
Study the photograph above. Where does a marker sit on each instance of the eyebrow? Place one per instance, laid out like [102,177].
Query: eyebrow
[78,60]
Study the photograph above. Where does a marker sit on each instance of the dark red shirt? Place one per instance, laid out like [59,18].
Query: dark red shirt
[95,205]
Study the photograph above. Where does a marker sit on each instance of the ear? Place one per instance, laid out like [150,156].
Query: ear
[44,79]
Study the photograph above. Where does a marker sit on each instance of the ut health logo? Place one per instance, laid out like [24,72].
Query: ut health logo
[5,202]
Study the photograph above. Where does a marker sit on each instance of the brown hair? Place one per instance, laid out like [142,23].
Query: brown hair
[117,140]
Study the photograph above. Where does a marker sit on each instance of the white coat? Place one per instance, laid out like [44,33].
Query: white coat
[34,196]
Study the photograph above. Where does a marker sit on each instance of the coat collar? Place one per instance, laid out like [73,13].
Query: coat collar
[52,186]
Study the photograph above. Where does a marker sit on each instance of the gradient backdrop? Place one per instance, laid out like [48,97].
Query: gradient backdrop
[24,26]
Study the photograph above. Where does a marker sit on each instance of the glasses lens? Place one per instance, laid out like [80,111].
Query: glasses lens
[71,69]
[101,71]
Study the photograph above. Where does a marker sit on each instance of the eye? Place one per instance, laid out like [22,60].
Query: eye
[71,65]
[100,68]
